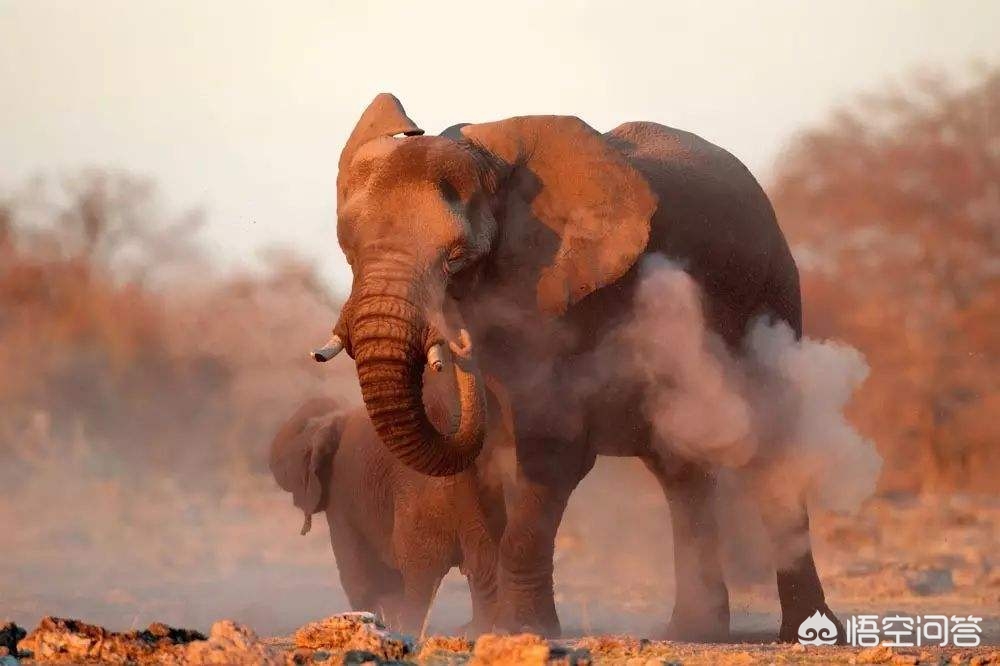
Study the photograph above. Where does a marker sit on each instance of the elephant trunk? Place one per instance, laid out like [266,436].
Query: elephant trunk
[388,337]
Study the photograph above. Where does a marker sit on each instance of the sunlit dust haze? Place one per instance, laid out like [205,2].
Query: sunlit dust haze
[775,408]
[168,257]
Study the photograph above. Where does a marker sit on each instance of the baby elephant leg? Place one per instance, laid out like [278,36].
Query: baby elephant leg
[424,544]
[369,584]
[419,587]
[480,559]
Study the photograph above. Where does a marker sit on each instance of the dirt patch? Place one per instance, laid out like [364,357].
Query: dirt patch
[526,649]
[358,638]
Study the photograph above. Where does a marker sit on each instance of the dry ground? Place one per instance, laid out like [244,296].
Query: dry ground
[356,638]
[127,552]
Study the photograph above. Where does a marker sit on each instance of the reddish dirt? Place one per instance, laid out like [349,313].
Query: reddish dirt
[357,638]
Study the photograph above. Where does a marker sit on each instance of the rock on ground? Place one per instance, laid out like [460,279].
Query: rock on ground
[10,634]
[358,632]
[229,643]
[64,640]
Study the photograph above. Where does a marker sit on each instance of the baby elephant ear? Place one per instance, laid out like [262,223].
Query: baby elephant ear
[577,214]
[302,452]
[384,117]
[322,435]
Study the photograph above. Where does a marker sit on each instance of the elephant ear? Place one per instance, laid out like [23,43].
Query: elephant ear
[384,117]
[302,453]
[576,213]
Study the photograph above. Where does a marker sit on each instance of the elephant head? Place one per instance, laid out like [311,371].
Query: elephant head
[542,205]
[302,453]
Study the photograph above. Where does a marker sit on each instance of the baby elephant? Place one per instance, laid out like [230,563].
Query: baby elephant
[396,532]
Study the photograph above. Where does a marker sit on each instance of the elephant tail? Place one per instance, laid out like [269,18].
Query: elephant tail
[302,454]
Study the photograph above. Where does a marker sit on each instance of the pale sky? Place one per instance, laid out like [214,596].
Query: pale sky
[243,106]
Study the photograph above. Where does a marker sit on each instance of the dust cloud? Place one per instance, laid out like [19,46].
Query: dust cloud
[774,409]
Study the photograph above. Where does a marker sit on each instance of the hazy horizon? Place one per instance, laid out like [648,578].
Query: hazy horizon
[242,109]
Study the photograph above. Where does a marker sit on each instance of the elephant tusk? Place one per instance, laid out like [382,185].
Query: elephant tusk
[465,350]
[306,525]
[435,357]
[332,347]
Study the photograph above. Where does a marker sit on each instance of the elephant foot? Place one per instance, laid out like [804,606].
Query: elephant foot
[693,624]
[529,618]
[546,627]
[473,629]
[792,620]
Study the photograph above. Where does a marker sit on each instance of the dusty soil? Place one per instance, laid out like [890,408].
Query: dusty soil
[238,555]
[357,638]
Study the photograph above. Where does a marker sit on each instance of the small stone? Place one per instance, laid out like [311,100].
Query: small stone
[162,635]
[358,657]
[446,643]
[10,635]
[563,655]
[510,650]
[159,630]
[880,654]
[231,643]
[608,648]
[302,655]
[929,582]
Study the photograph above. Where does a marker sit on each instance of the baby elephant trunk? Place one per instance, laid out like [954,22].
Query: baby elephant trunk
[302,455]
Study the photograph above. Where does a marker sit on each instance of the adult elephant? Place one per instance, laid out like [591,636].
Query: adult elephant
[517,244]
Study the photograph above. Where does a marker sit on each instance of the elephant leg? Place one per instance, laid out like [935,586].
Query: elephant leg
[419,587]
[548,471]
[480,555]
[368,583]
[425,546]
[483,588]
[800,592]
[701,607]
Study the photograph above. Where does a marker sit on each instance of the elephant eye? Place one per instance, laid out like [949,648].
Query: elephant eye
[456,260]
[450,194]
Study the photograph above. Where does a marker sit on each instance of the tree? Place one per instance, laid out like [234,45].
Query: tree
[113,220]
[893,209]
